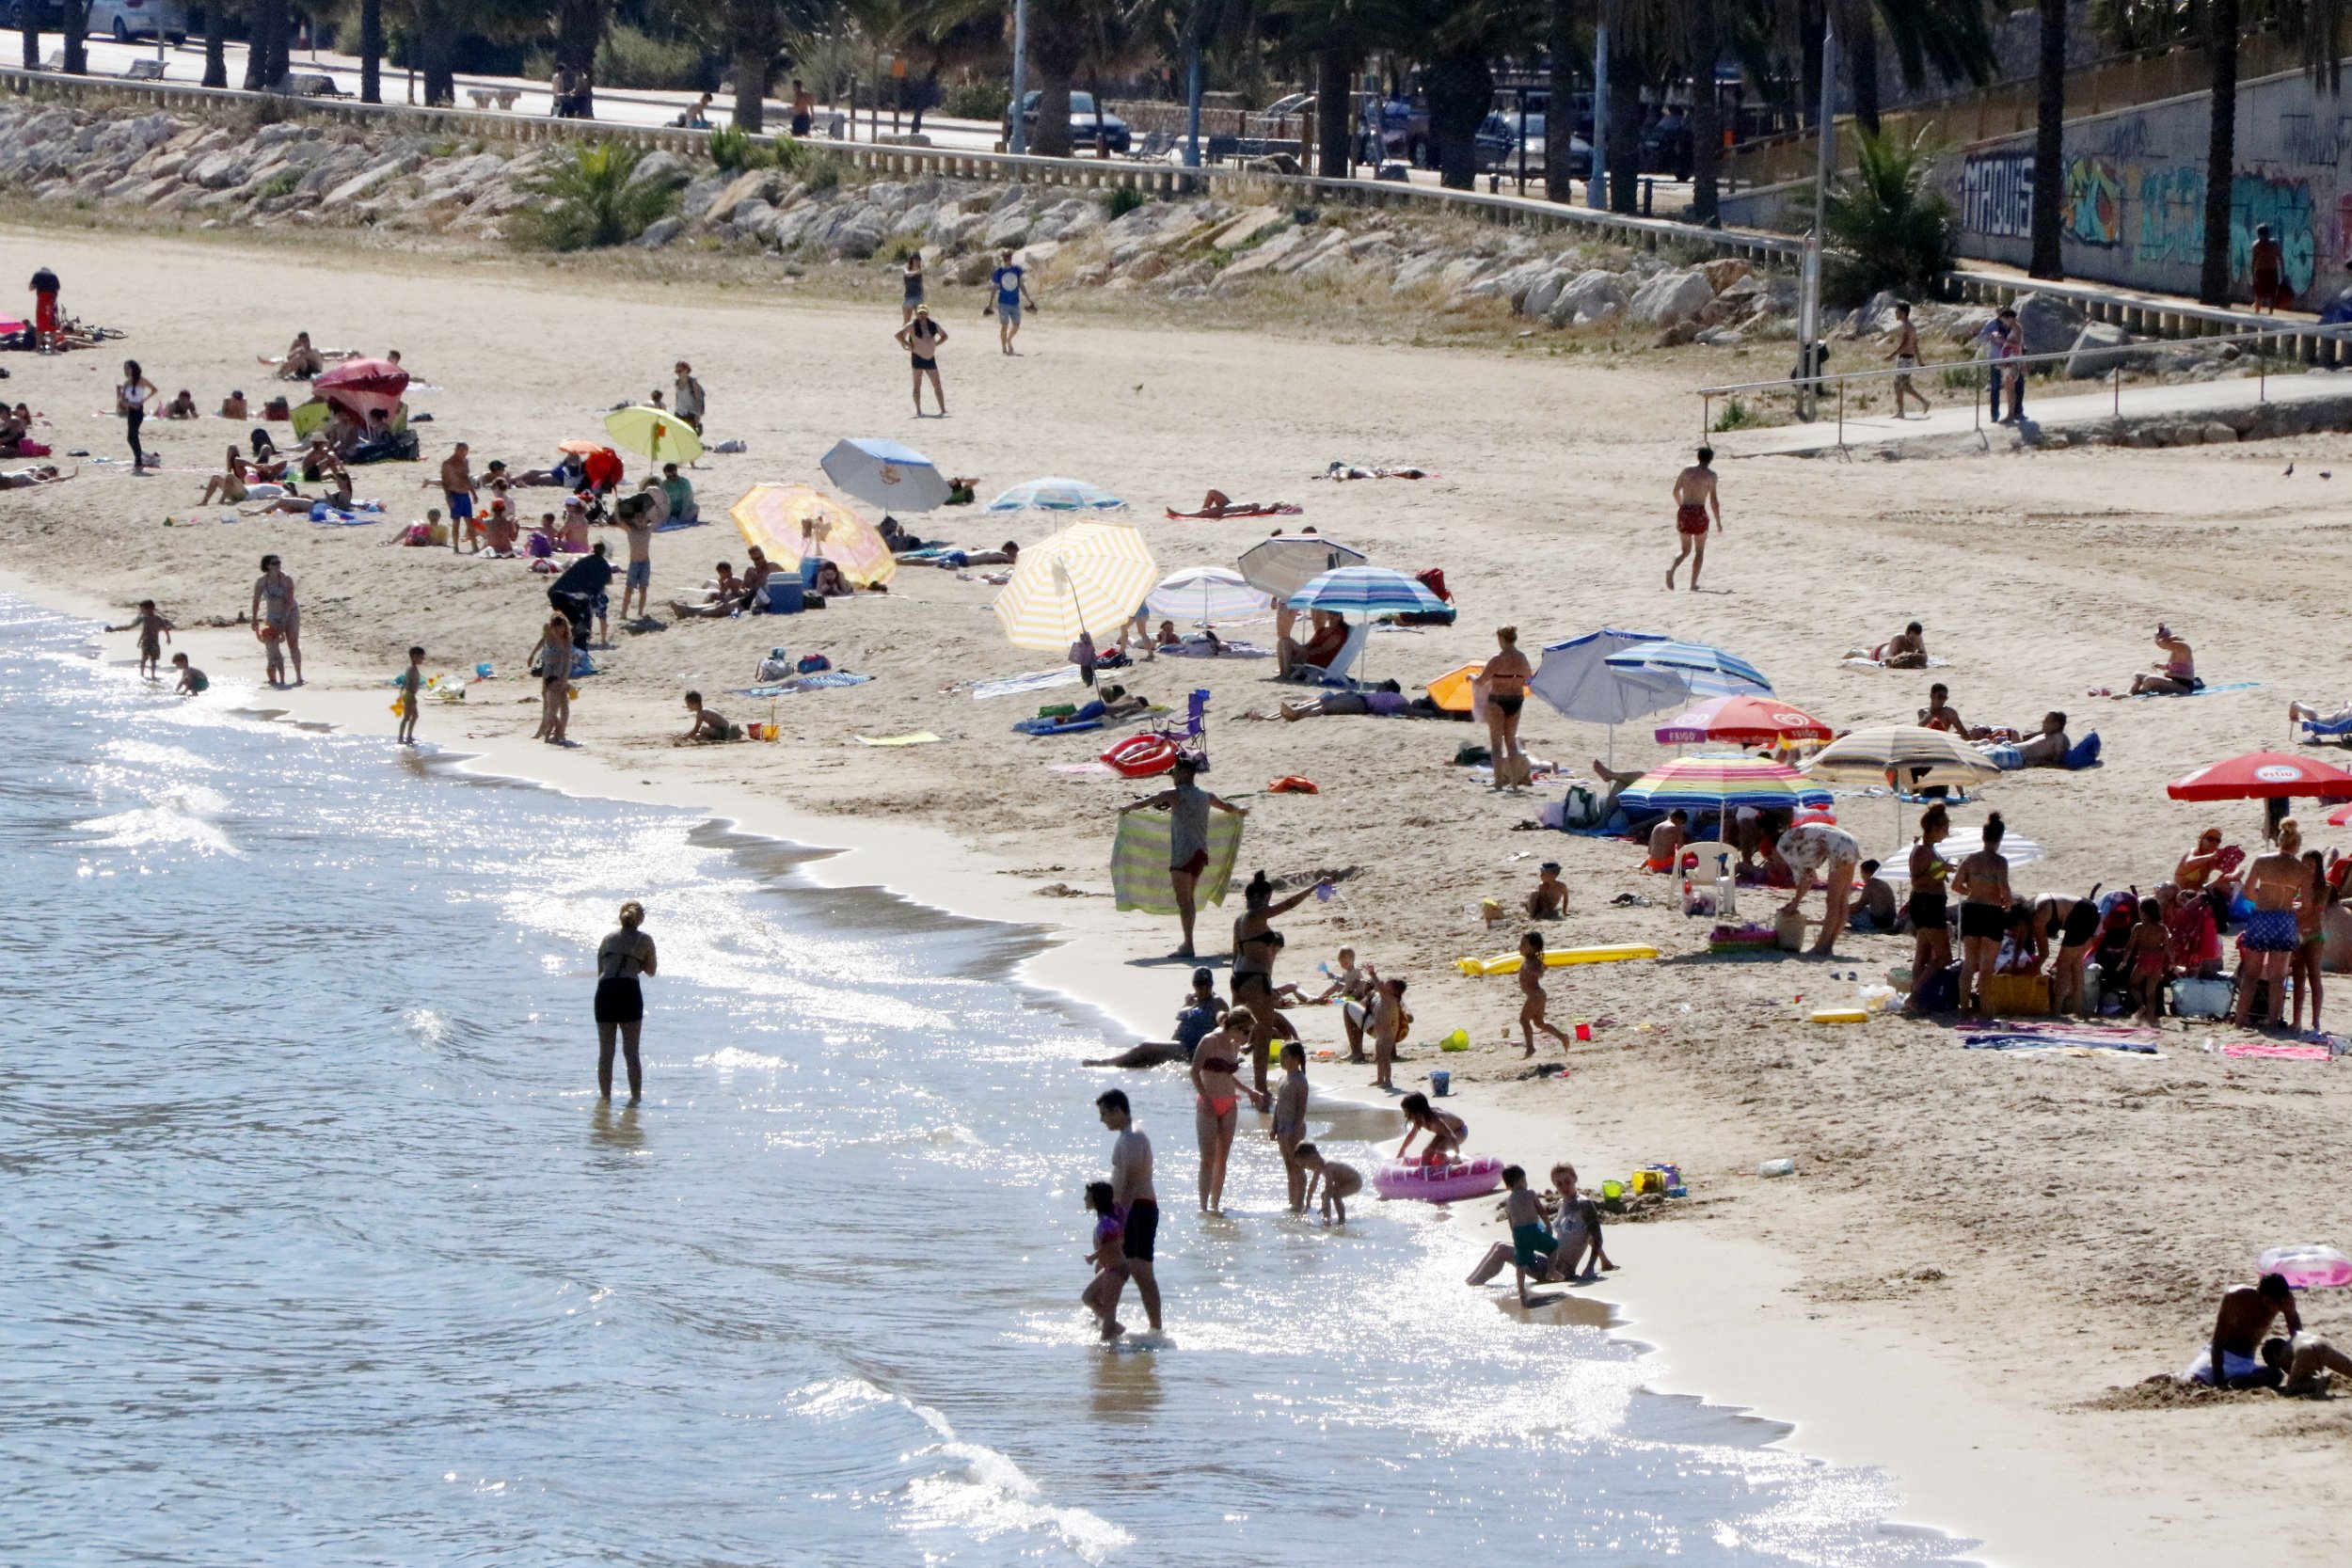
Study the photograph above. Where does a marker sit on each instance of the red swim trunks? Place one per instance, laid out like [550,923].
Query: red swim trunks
[1691,519]
[1197,864]
[45,313]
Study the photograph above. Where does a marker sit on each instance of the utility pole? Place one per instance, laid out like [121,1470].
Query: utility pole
[1596,187]
[1018,139]
[1192,107]
[1809,277]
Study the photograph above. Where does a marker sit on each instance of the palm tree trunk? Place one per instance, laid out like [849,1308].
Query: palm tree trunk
[436,25]
[579,28]
[752,41]
[2221,22]
[1335,128]
[1560,111]
[2049,144]
[1460,88]
[1051,139]
[265,19]
[1809,62]
[371,51]
[30,17]
[1624,131]
[1859,40]
[1707,130]
[215,44]
[74,23]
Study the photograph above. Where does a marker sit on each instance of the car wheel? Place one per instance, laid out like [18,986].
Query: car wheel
[1417,153]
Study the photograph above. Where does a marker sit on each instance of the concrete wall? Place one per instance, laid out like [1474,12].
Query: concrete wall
[2135,196]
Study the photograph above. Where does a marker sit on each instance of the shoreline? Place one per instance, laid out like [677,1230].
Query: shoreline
[1712,1316]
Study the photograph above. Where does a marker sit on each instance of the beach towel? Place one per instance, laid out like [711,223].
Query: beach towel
[1854,661]
[1139,862]
[920,738]
[823,680]
[2040,1040]
[1039,680]
[1200,648]
[2280,1052]
[1242,509]
[672,525]
[2205,690]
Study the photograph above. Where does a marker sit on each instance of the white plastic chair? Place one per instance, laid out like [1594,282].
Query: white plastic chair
[1726,883]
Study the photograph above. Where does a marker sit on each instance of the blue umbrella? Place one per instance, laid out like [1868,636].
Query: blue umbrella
[1577,679]
[1055,494]
[1705,672]
[886,473]
[1364,593]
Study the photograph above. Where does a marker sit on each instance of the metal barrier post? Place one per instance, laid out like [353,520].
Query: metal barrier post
[1706,414]
[2117,378]
[1841,413]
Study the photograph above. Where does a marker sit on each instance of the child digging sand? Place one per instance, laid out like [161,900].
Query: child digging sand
[1290,1121]
[1339,1181]
[1533,1002]
[1100,1296]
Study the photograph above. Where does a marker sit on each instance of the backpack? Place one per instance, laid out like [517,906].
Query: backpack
[1580,808]
[775,667]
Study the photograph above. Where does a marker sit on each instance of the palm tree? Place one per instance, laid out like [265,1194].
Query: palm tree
[2049,142]
[579,27]
[215,44]
[1560,53]
[1701,31]
[1335,35]
[370,48]
[74,20]
[266,45]
[593,199]
[2221,19]
[1455,41]
[755,31]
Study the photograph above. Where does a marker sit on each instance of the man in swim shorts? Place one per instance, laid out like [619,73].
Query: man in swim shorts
[1188,806]
[457,489]
[2241,1357]
[2273,882]
[1906,358]
[1132,1194]
[1694,498]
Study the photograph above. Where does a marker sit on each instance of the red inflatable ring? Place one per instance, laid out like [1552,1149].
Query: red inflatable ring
[1140,756]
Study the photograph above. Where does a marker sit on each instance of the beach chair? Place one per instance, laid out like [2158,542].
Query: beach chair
[1192,737]
[2336,730]
[1335,672]
[1714,868]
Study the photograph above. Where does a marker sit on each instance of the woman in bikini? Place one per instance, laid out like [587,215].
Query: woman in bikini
[1982,883]
[1447,1131]
[2068,926]
[922,337]
[1255,945]
[2311,929]
[553,658]
[1217,1101]
[2209,868]
[2174,675]
[228,484]
[277,620]
[1506,675]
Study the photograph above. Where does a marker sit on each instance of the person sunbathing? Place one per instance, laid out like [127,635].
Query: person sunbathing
[1939,714]
[300,362]
[726,596]
[183,406]
[227,486]
[1324,644]
[1357,471]
[25,479]
[962,490]
[1385,701]
[2336,718]
[830,581]
[233,408]
[2049,748]
[1906,649]
[2173,676]
[292,502]
[1666,840]
[1217,503]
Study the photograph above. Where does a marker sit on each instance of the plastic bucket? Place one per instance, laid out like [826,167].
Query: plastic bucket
[1440,1082]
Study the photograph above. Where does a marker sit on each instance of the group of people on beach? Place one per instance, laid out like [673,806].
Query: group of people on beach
[922,337]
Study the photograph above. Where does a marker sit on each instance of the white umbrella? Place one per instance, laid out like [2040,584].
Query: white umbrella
[1089,576]
[886,474]
[1284,564]
[1199,595]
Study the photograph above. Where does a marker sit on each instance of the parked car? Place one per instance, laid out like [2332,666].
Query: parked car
[1083,125]
[1498,145]
[1402,131]
[45,14]
[128,19]
[1666,146]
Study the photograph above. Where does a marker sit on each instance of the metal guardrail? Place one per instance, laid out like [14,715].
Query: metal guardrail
[2159,316]
[898,160]
[1982,371]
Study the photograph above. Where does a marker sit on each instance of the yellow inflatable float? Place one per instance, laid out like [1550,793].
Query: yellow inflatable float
[1559,957]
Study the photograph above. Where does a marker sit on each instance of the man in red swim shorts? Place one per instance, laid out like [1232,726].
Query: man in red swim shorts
[1694,496]
[45,310]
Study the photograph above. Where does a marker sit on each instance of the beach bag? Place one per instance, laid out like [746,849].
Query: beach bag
[1941,993]
[2017,996]
[2194,997]
[1580,808]
[811,663]
[775,667]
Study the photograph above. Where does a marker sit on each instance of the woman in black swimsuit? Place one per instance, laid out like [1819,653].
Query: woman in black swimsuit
[2067,927]
[1255,945]
[1506,675]
[1930,908]
[621,957]
[921,337]
[1982,883]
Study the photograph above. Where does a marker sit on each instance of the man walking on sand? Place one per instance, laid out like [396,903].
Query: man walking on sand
[1695,496]
[457,483]
[1133,1194]
[1906,358]
[1008,287]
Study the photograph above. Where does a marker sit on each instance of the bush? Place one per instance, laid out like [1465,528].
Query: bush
[592,201]
[1736,416]
[733,150]
[978,101]
[1887,228]
[1124,199]
[630,58]
[280,183]
[818,170]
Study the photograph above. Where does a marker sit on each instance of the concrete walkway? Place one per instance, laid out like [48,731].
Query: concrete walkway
[2139,405]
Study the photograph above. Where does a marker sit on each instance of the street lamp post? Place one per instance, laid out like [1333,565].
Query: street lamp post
[1810,275]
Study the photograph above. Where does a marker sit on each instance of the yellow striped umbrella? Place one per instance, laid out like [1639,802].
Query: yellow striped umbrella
[792,522]
[1090,577]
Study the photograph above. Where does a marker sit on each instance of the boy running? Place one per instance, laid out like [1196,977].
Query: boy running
[1533,1002]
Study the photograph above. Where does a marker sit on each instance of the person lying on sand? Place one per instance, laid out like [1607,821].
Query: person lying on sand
[233,408]
[1906,649]
[2244,1354]
[1202,1010]
[183,406]
[726,596]
[1341,471]
[1217,503]
[1385,701]
[705,724]
[2049,748]
[25,479]
[1616,779]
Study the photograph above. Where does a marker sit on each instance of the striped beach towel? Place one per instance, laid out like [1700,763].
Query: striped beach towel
[1037,680]
[1139,860]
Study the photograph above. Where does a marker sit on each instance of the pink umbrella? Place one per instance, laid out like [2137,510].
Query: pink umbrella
[360,387]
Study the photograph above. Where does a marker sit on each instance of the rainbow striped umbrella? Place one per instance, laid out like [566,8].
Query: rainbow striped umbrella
[1723,784]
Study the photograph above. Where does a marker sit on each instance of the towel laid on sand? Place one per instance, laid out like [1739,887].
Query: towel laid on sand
[1037,680]
[1200,648]
[2206,690]
[820,681]
[919,737]
[2280,1052]
[1139,862]
[2009,1039]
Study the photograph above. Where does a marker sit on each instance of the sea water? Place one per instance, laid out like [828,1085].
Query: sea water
[322,1251]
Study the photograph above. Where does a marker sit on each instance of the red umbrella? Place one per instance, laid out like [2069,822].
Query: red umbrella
[360,387]
[1749,719]
[2263,776]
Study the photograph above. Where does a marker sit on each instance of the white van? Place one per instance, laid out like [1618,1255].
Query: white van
[124,20]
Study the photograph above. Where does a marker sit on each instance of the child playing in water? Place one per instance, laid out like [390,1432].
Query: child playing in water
[1100,1296]
[154,631]
[411,686]
[192,681]
[2147,959]
[1447,1131]
[1290,1121]
[1532,1245]
[1533,1002]
[1340,1181]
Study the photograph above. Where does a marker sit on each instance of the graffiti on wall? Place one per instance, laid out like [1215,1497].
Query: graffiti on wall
[2285,205]
[1997,195]
[2094,213]
[2171,214]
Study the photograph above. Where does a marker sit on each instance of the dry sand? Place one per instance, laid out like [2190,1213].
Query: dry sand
[1978,1246]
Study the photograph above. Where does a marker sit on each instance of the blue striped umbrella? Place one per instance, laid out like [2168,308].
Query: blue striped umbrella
[1365,594]
[1055,494]
[1722,784]
[1706,672]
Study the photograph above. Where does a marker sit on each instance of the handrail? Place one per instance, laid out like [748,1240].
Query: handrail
[894,159]
[1707,395]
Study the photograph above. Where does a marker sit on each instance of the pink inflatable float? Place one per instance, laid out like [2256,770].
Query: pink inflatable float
[1439,1183]
[2306,1268]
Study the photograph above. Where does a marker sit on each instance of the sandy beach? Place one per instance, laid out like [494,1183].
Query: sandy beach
[1978,1249]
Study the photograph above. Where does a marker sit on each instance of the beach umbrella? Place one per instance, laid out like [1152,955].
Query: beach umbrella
[1576,678]
[653,432]
[883,473]
[794,522]
[1055,494]
[1747,720]
[1723,784]
[1364,593]
[1901,756]
[360,387]
[1704,671]
[1088,576]
[2263,776]
[1289,562]
[1452,691]
[1199,595]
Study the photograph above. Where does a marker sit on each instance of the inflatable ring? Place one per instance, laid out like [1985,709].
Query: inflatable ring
[1439,1183]
[1140,756]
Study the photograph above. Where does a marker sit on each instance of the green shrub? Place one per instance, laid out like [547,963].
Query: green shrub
[280,183]
[819,170]
[630,58]
[978,101]
[1124,199]
[733,150]
[1736,416]
[1887,228]
[590,201]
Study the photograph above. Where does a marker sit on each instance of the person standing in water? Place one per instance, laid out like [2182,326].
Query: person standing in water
[922,338]
[130,399]
[411,692]
[1694,498]
[278,619]
[621,957]
[1133,1192]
